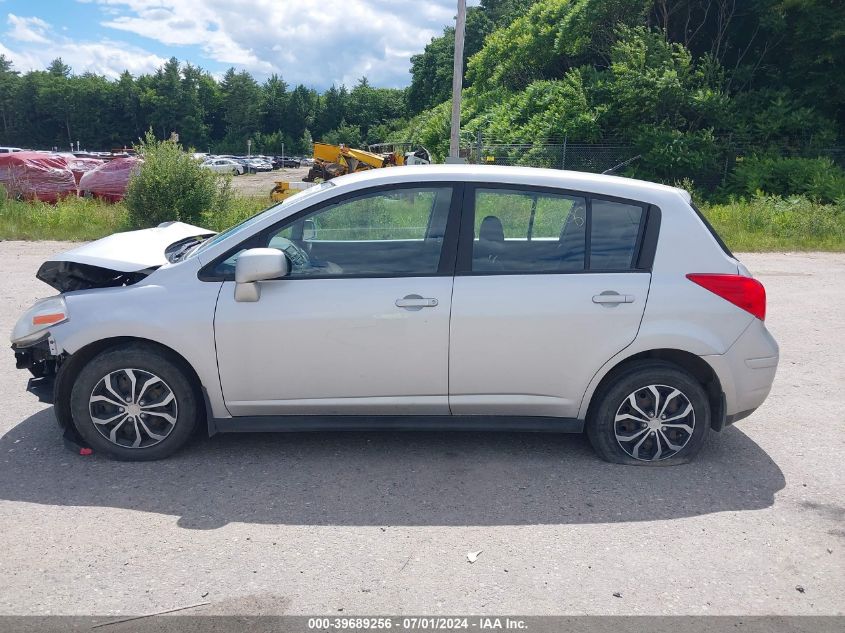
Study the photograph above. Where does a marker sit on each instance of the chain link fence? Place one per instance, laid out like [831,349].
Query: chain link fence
[616,155]
[591,157]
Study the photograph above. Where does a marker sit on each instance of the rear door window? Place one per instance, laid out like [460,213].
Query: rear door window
[522,230]
[527,231]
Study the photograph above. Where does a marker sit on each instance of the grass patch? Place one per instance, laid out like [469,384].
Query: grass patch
[768,223]
[74,219]
[83,219]
[759,224]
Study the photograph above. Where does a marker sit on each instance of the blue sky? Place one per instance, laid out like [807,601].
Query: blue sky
[315,42]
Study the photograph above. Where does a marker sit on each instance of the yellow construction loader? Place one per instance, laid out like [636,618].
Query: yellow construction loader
[331,161]
[285,189]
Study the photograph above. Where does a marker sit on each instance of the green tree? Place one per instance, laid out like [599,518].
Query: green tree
[274,103]
[9,80]
[240,102]
[331,110]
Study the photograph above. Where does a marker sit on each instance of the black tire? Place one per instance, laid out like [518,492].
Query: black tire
[144,360]
[636,381]
[235,172]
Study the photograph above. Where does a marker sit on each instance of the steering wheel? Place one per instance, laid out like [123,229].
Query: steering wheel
[298,256]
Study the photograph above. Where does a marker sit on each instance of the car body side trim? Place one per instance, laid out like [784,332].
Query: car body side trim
[295,423]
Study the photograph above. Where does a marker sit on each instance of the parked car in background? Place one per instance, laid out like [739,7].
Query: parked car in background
[109,180]
[447,297]
[287,162]
[36,176]
[224,166]
[257,164]
[9,150]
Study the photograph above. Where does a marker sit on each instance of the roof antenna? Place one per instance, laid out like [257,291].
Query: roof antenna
[621,165]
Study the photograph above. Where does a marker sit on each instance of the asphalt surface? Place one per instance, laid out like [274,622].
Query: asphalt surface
[369,523]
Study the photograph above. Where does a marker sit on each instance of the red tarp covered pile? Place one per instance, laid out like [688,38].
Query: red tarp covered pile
[109,181]
[80,166]
[35,176]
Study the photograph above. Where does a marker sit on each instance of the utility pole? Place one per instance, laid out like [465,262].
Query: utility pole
[457,84]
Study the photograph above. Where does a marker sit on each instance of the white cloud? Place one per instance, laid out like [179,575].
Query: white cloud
[27,29]
[105,57]
[312,42]
[316,43]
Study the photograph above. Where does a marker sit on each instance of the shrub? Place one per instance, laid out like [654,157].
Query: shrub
[171,185]
[817,178]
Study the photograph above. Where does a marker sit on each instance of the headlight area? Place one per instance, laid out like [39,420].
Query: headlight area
[34,348]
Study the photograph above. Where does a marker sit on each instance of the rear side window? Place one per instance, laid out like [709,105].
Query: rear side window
[524,231]
[539,231]
[614,233]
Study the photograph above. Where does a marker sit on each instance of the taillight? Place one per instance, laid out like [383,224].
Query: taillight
[744,292]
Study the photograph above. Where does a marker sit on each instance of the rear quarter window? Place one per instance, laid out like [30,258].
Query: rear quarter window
[614,234]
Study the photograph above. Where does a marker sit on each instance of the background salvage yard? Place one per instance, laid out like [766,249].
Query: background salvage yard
[382,522]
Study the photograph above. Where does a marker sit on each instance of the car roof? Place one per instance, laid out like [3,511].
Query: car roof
[616,186]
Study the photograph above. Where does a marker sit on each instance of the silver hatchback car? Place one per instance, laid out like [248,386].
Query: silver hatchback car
[440,297]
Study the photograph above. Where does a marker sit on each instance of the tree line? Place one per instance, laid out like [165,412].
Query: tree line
[682,81]
[55,108]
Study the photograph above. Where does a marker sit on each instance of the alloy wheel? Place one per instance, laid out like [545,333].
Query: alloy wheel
[133,408]
[654,423]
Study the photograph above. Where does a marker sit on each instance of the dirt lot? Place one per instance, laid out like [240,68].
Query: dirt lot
[263,183]
[373,523]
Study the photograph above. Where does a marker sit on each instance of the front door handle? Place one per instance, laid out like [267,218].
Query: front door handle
[415,302]
[612,297]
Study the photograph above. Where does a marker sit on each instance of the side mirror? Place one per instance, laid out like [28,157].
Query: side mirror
[254,265]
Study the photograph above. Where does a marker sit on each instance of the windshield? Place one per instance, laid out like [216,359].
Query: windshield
[245,224]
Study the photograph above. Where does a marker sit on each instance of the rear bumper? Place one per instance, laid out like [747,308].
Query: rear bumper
[746,371]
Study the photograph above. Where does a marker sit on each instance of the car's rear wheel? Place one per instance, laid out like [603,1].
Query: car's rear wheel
[134,402]
[650,413]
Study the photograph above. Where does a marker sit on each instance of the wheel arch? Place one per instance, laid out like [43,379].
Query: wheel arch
[694,365]
[74,363]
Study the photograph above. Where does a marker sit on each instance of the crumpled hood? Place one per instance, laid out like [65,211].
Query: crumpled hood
[116,260]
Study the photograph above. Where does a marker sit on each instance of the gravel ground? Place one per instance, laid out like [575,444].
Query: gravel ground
[262,183]
[382,522]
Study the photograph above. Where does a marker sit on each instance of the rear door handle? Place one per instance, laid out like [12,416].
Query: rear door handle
[612,297]
[416,302]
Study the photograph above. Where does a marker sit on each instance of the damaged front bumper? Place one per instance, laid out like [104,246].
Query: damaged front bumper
[40,357]
[44,363]
[42,360]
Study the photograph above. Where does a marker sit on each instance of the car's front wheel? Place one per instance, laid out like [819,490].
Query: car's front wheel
[650,413]
[134,402]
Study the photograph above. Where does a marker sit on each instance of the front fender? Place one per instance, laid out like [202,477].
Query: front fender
[179,316]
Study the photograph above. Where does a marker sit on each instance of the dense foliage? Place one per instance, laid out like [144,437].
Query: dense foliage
[54,108]
[692,85]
